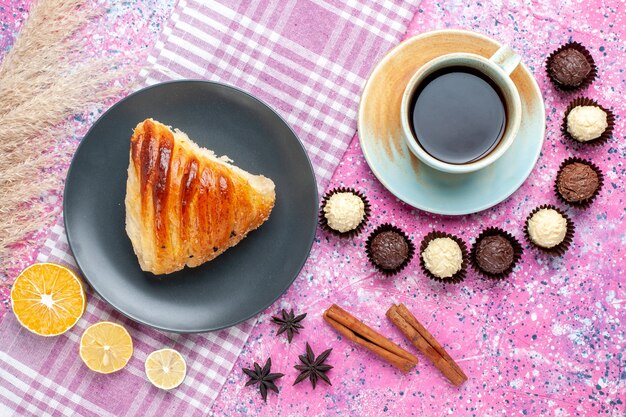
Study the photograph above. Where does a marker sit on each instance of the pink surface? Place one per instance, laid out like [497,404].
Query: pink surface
[233,59]
[548,341]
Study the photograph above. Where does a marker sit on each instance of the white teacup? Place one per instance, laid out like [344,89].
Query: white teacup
[498,69]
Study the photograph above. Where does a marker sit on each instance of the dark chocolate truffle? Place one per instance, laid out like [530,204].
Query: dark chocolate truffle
[495,254]
[569,67]
[389,249]
[577,182]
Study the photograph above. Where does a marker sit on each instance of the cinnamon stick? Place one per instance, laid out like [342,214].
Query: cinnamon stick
[361,334]
[426,343]
[410,318]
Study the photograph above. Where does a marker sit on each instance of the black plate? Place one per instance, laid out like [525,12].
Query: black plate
[236,285]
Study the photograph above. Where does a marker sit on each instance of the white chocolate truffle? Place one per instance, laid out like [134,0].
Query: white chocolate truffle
[586,123]
[547,228]
[443,257]
[344,211]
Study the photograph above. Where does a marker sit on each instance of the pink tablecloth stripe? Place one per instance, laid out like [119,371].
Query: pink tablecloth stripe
[308,59]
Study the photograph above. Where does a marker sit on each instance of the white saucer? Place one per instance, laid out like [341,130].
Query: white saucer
[402,173]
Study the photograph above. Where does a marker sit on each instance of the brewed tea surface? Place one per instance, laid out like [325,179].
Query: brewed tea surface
[458,115]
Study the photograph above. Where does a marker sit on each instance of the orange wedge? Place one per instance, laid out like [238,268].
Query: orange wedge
[106,347]
[48,299]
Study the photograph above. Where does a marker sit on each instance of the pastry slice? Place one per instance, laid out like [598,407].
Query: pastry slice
[184,205]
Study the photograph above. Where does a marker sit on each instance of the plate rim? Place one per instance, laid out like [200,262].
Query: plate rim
[70,239]
[369,158]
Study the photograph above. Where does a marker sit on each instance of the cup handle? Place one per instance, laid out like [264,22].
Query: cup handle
[506,58]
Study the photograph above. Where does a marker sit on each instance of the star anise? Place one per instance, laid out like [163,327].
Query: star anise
[313,368]
[289,323]
[262,377]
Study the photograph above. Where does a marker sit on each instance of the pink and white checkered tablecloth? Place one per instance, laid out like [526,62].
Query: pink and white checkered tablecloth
[44,376]
[309,59]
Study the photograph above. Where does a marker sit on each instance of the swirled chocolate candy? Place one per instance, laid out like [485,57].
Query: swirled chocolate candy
[389,249]
[495,254]
[577,182]
[569,67]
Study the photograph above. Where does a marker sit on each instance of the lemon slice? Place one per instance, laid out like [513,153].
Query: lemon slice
[166,368]
[48,299]
[106,347]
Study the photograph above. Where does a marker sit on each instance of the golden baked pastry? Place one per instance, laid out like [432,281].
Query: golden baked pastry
[184,205]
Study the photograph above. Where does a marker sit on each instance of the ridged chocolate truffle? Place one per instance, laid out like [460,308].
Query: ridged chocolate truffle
[569,67]
[389,249]
[577,182]
[494,254]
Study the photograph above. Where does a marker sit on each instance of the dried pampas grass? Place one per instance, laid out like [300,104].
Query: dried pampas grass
[44,79]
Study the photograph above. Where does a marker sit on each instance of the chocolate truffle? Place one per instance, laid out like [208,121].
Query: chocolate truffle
[577,182]
[571,66]
[443,257]
[495,254]
[389,249]
[344,211]
[547,228]
[585,123]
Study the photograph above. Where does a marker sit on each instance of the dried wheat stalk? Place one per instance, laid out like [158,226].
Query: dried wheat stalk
[44,79]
